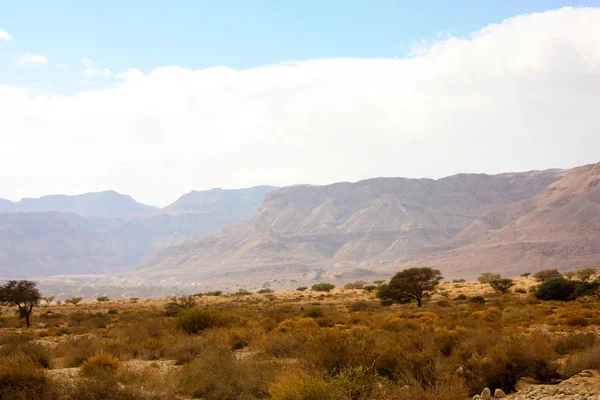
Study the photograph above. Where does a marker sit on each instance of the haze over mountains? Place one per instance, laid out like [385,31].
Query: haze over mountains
[107,231]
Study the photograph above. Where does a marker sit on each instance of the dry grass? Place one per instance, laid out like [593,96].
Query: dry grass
[337,345]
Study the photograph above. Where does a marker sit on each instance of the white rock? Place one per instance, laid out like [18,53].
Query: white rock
[499,393]
[486,394]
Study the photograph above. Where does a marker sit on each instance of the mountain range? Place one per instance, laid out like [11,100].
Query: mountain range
[306,231]
[265,236]
[107,231]
[557,228]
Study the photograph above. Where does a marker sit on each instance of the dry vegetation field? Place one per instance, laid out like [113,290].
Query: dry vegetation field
[302,345]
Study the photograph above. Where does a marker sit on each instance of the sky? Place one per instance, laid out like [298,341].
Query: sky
[155,99]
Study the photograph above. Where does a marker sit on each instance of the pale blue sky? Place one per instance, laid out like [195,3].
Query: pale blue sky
[118,35]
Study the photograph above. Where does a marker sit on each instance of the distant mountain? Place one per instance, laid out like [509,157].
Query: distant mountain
[557,228]
[5,205]
[194,215]
[236,204]
[300,229]
[118,230]
[109,204]
[33,244]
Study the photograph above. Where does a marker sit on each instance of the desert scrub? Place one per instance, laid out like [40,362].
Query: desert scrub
[196,320]
[21,379]
[217,375]
[100,362]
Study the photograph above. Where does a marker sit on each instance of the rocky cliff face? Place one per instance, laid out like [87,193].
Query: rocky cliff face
[367,223]
[557,228]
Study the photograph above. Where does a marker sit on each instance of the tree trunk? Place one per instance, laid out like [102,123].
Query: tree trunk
[27,319]
[419,302]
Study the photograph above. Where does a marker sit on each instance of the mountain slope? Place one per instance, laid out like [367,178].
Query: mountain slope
[116,230]
[194,215]
[367,223]
[33,244]
[557,228]
[109,204]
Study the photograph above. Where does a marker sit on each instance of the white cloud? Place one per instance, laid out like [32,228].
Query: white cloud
[32,60]
[87,63]
[5,35]
[518,95]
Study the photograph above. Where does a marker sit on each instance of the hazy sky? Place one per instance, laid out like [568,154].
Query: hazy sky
[155,99]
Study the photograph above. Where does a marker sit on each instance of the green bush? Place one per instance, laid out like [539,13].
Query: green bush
[215,293]
[557,288]
[301,289]
[322,287]
[477,299]
[546,274]
[195,320]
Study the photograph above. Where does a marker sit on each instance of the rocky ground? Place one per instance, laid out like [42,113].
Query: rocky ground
[583,386]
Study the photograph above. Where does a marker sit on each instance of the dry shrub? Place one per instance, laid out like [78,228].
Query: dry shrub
[314,312]
[580,360]
[450,389]
[574,342]
[149,382]
[576,320]
[300,384]
[21,379]
[17,344]
[185,348]
[217,375]
[195,320]
[99,362]
[281,344]
[513,357]
[333,350]
[102,385]
[75,351]
[363,305]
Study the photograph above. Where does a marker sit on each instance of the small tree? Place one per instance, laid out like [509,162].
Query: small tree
[369,288]
[502,285]
[265,291]
[301,289]
[526,275]
[546,274]
[322,287]
[355,285]
[410,284]
[23,294]
[488,277]
[48,300]
[586,273]
[102,298]
[74,300]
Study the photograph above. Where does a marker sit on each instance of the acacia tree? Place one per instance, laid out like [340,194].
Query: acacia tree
[488,277]
[502,285]
[23,294]
[410,284]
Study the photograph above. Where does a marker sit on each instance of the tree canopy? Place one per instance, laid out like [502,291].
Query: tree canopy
[410,284]
[23,294]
